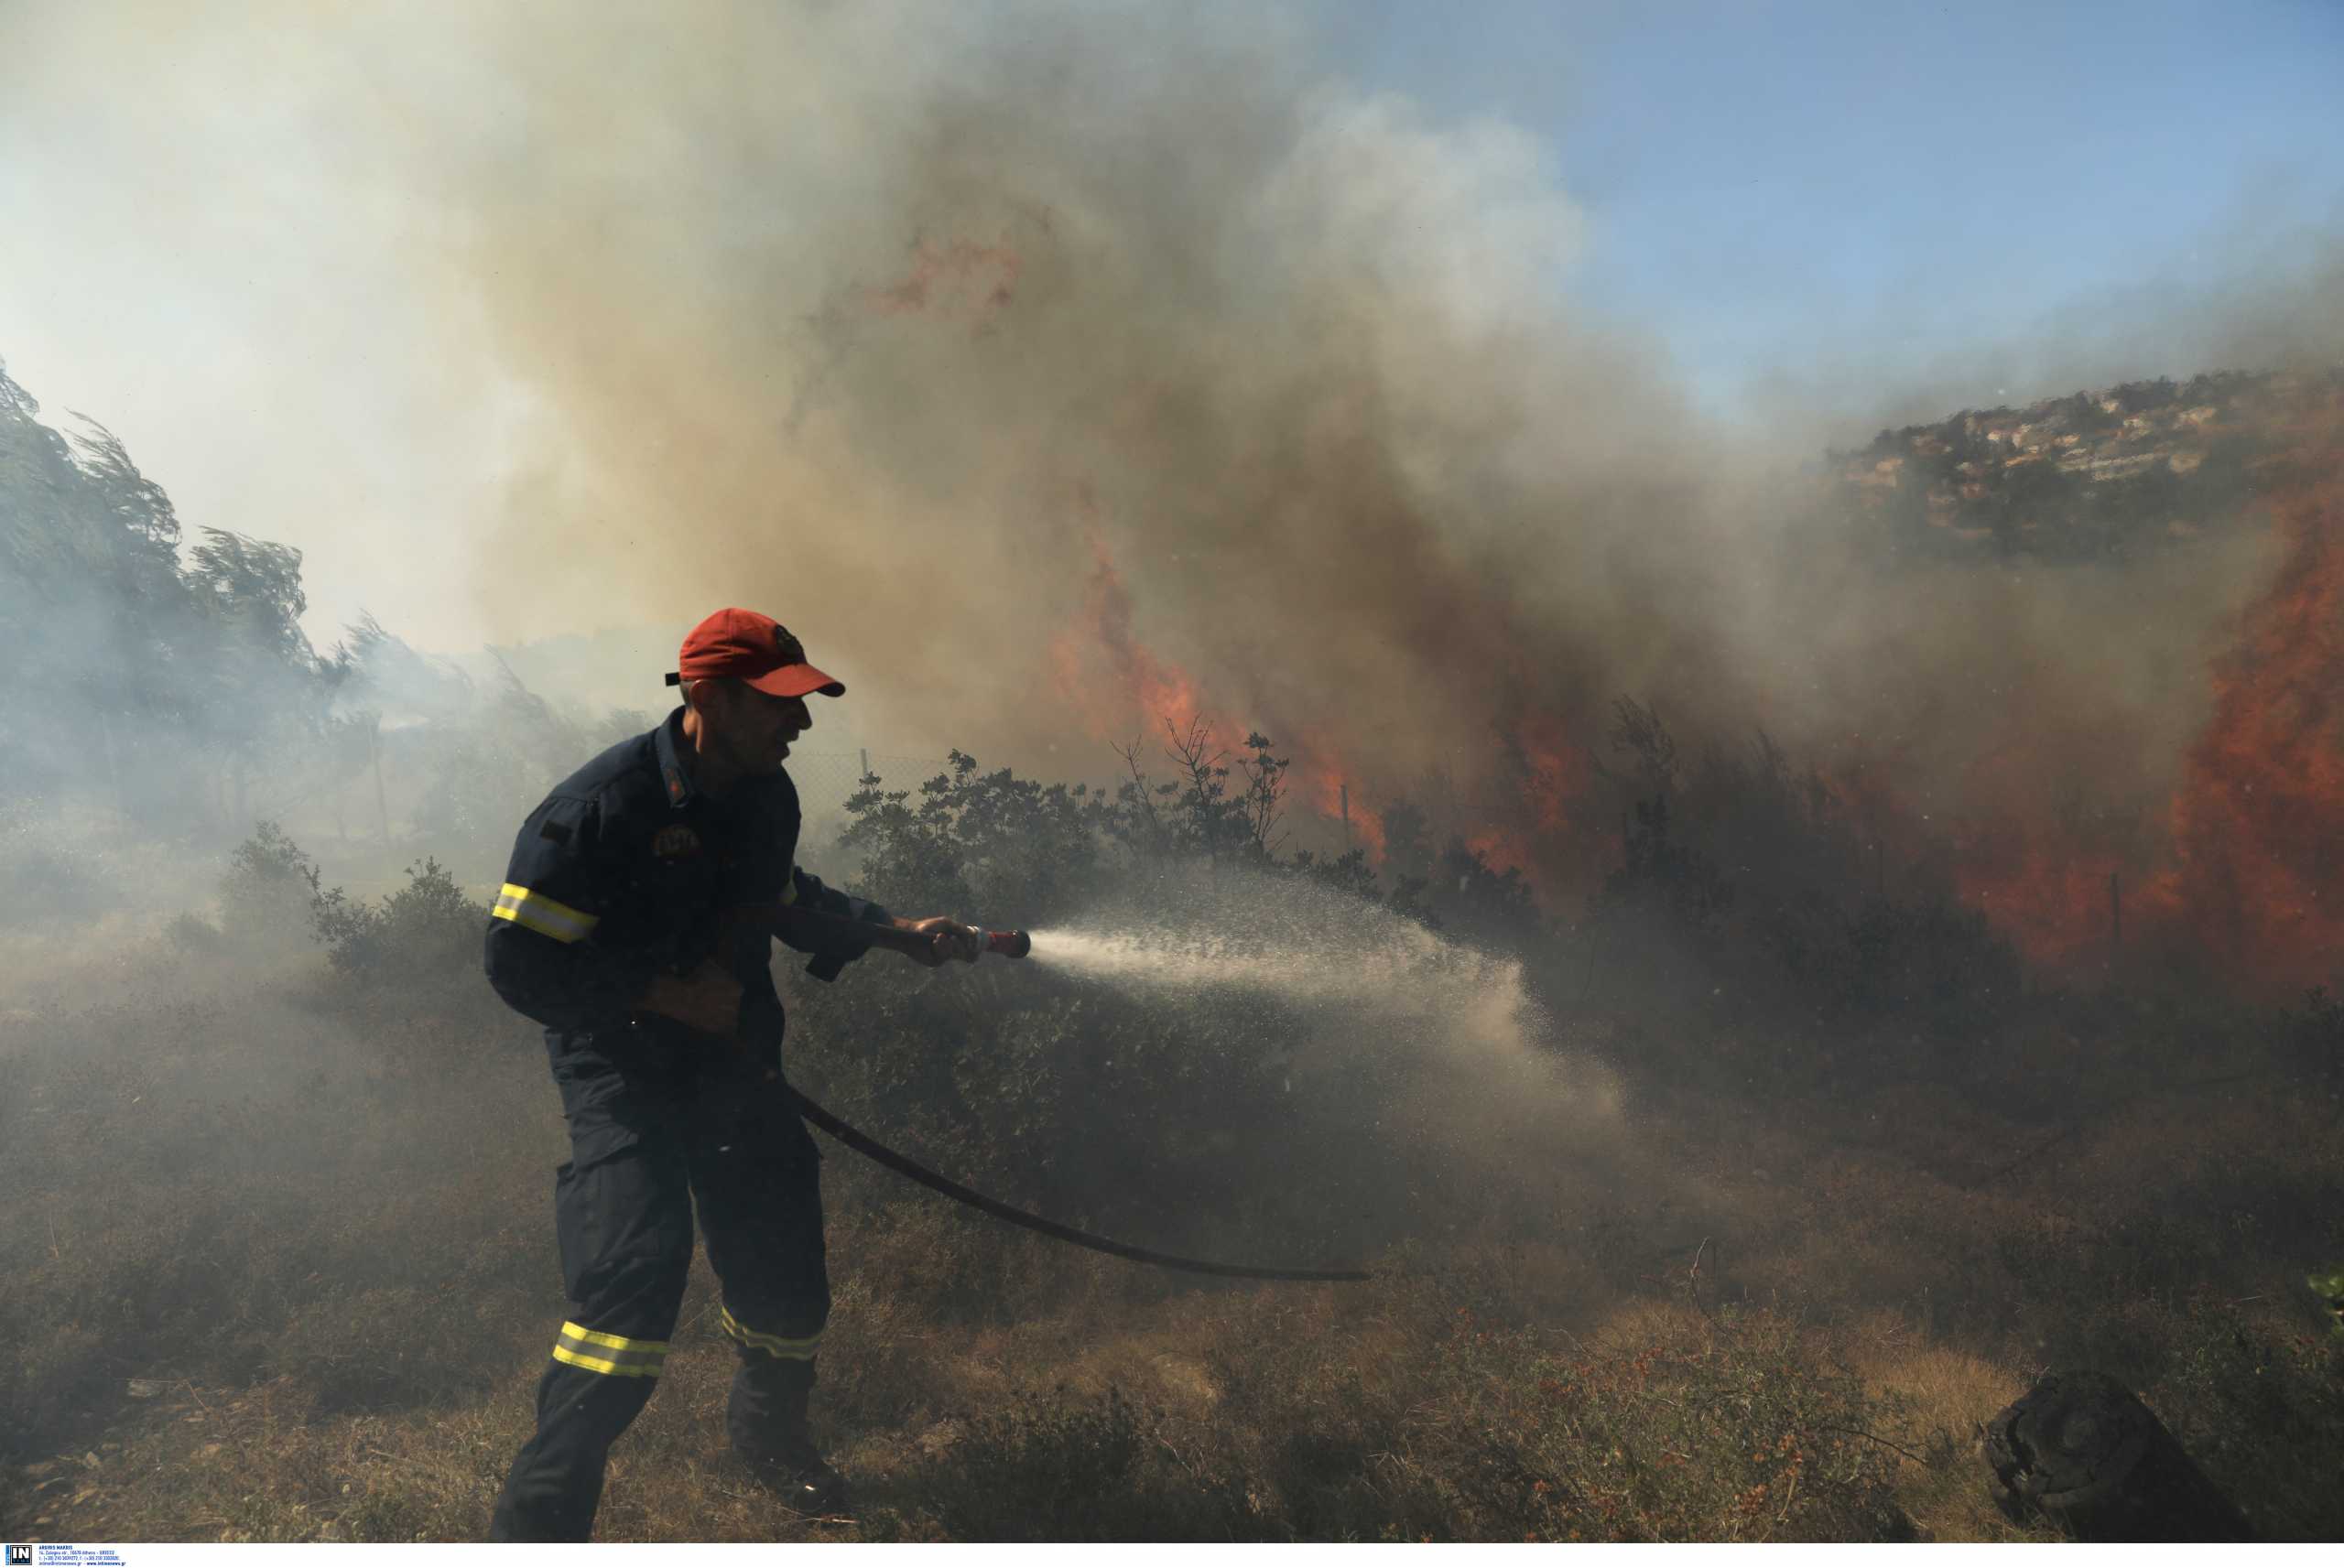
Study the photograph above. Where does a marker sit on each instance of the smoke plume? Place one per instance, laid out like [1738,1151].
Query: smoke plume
[1057,371]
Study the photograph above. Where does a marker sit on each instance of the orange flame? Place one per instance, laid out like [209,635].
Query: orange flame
[1502,849]
[2056,904]
[2255,832]
[2251,868]
[1111,677]
[2258,824]
[1556,772]
[1318,772]
[1120,687]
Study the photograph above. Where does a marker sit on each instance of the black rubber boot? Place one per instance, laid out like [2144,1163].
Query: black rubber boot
[766,1418]
[807,1484]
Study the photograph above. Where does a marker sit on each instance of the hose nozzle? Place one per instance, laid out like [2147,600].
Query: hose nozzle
[1009,944]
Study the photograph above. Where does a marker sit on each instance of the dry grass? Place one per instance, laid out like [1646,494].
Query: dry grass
[278,1273]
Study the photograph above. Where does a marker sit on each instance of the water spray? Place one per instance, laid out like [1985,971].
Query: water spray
[801,924]
[1314,951]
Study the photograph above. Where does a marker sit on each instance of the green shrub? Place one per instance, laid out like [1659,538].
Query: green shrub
[418,937]
[268,891]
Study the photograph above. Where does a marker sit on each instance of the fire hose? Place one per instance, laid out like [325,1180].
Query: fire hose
[1010,945]
[861,1143]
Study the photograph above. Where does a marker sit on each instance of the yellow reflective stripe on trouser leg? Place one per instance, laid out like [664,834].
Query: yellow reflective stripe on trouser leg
[548,917]
[612,1354]
[771,1344]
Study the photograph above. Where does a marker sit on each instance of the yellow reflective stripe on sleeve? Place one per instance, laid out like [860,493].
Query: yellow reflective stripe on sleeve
[612,1354]
[771,1344]
[789,889]
[546,916]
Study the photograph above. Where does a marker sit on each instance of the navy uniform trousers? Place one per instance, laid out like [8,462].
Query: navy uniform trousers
[655,1131]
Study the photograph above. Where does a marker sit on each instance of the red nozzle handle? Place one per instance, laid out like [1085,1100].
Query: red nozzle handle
[1009,944]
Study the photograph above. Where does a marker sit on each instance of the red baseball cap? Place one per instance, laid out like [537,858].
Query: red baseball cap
[744,645]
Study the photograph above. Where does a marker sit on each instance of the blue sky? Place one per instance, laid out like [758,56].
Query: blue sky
[1765,179]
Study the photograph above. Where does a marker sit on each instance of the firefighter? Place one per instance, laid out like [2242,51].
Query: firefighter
[665,1033]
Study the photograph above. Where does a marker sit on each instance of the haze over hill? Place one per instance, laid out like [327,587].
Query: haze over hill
[216,709]
[2094,474]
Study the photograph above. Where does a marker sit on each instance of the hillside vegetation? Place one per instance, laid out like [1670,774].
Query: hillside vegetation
[2093,474]
[1723,1205]
[284,1260]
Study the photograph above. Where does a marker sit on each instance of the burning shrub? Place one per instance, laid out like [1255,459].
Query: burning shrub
[1671,881]
[1929,963]
[1204,817]
[1477,900]
[1770,877]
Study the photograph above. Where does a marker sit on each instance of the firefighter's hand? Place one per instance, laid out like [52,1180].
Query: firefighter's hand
[947,939]
[708,1000]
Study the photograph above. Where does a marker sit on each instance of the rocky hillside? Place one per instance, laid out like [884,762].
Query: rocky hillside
[2087,475]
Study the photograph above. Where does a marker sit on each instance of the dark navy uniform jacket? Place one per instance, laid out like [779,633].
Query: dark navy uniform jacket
[626,869]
